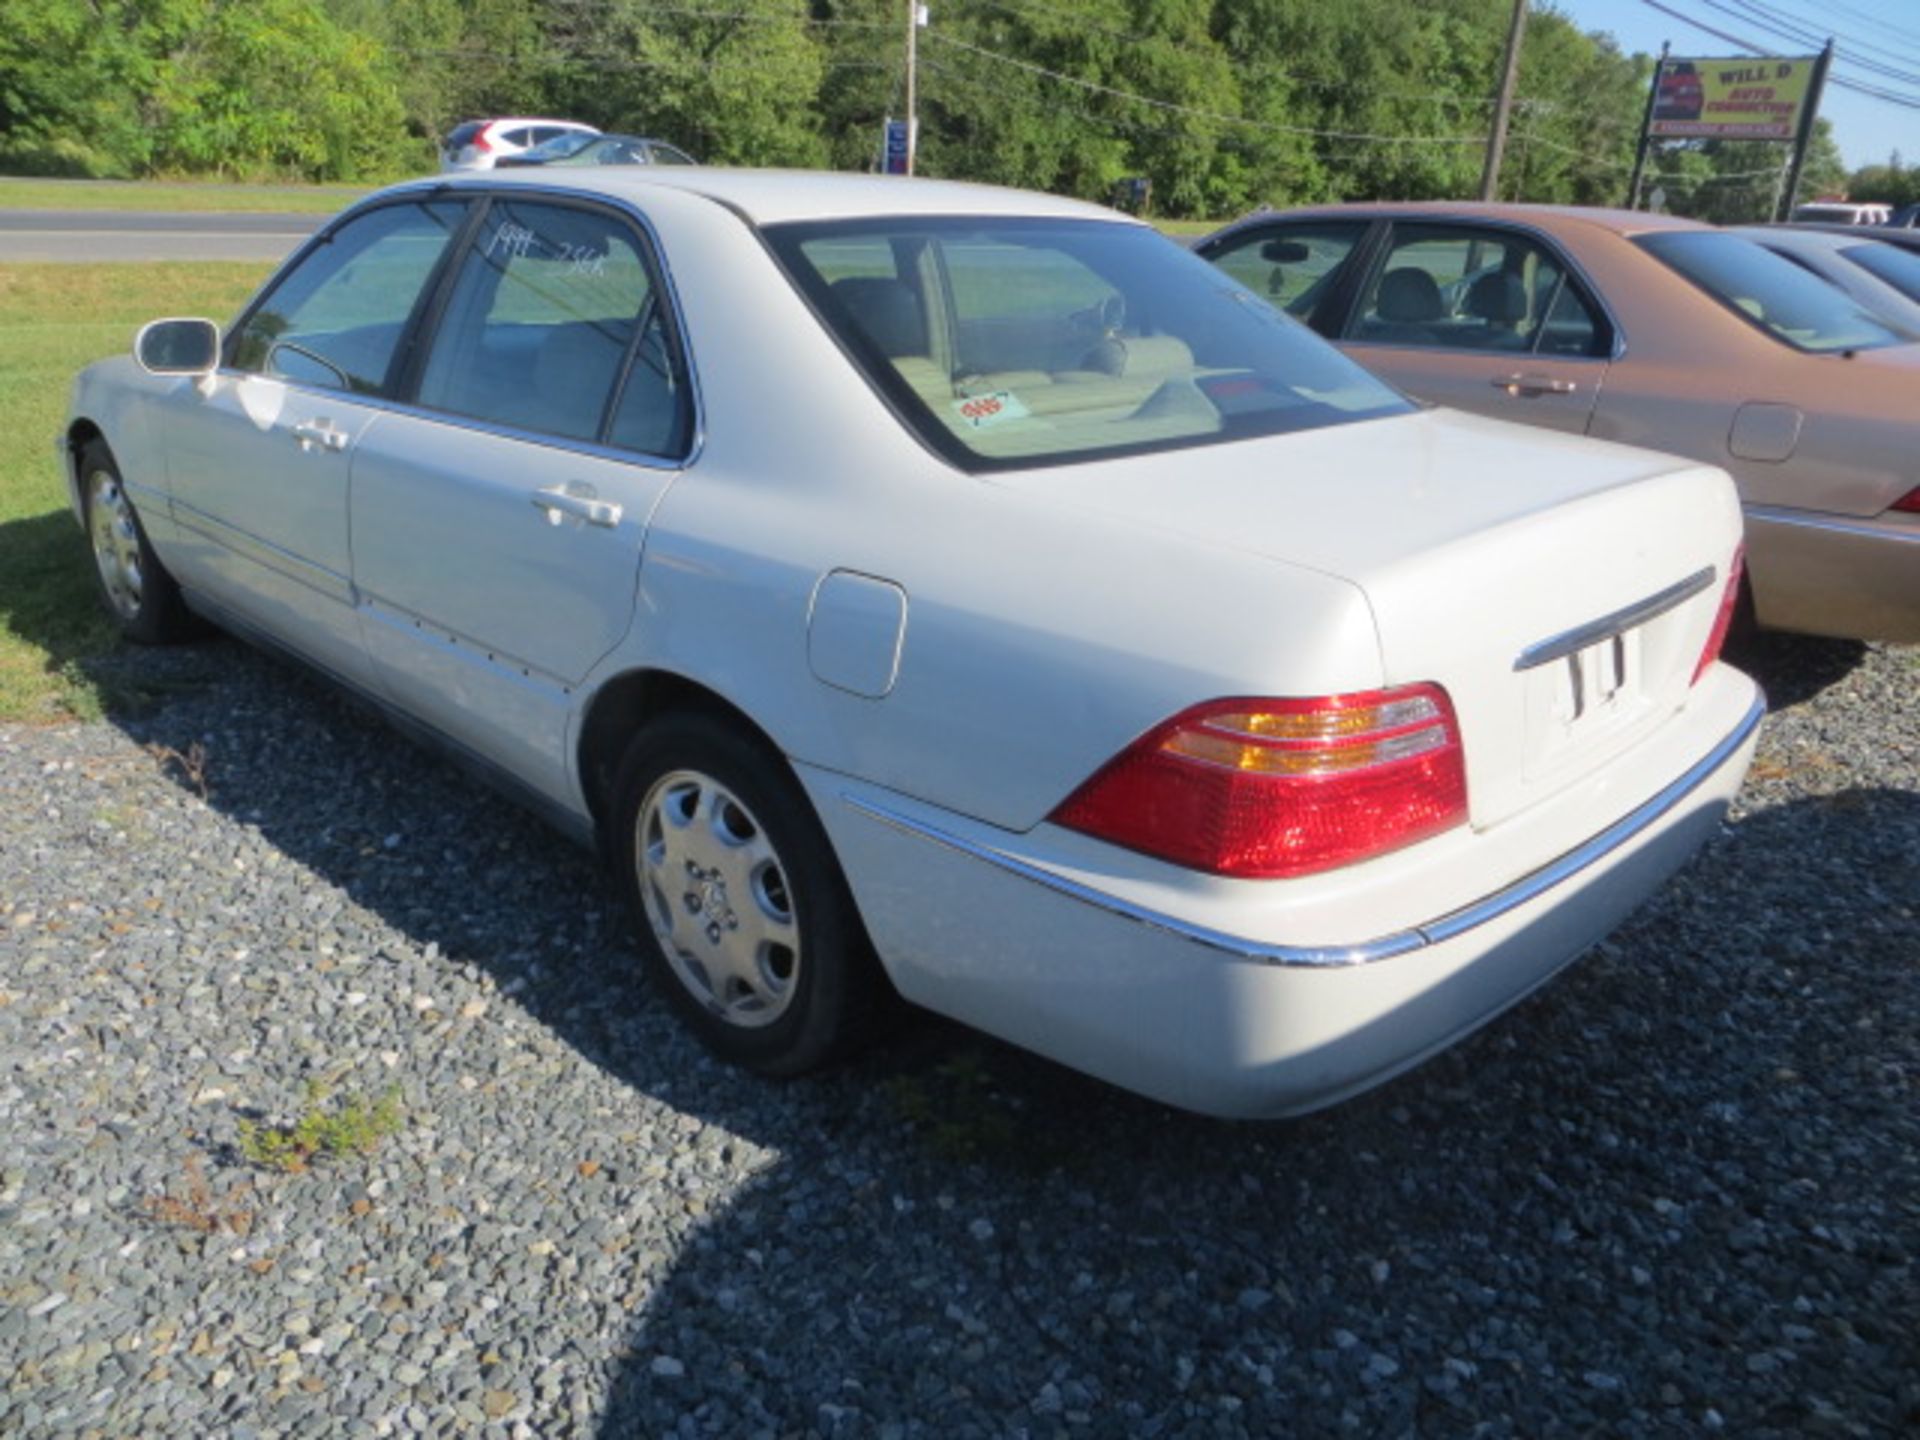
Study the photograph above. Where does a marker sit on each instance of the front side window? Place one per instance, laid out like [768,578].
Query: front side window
[1774,296]
[1461,288]
[335,319]
[1013,342]
[1293,265]
[554,313]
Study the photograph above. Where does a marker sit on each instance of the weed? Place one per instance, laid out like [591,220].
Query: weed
[352,1125]
[197,1208]
[191,767]
[956,1107]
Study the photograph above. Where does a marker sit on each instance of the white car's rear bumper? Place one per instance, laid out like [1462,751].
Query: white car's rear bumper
[1274,998]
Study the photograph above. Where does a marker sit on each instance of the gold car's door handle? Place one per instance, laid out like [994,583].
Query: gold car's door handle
[321,432]
[1534,385]
[578,501]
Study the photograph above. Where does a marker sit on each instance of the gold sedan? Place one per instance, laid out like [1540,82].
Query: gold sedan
[1652,331]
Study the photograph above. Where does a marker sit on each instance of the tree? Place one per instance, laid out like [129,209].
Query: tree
[737,84]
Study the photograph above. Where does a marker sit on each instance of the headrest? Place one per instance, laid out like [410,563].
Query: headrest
[1500,296]
[1141,357]
[1410,297]
[887,310]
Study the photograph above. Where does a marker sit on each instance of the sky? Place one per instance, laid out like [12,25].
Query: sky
[1866,129]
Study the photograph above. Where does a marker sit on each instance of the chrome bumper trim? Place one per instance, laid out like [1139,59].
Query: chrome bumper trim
[1401,942]
[1572,642]
[1837,524]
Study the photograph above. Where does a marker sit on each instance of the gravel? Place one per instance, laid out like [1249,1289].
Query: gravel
[1677,1192]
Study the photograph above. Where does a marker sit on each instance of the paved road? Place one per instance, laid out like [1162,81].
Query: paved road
[90,235]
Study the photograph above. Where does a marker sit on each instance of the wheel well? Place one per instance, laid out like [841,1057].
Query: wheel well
[80,434]
[627,702]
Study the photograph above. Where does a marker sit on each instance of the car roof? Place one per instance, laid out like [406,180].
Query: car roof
[769,197]
[1552,218]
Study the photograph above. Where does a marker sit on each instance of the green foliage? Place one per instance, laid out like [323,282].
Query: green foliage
[1893,183]
[736,84]
[231,87]
[1221,104]
[351,1126]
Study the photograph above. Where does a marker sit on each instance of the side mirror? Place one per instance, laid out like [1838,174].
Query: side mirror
[178,347]
[1283,252]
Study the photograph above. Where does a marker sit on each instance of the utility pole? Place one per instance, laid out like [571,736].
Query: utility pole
[1510,72]
[913,114]
[1646,131]
[1816,85]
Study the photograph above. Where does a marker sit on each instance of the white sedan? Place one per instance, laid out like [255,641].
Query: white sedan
[922,588]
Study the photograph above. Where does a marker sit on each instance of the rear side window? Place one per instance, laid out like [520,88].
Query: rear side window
[1899,268]
[335,319]
[554,315]
[1777,298]
[463,134]
[1294,265]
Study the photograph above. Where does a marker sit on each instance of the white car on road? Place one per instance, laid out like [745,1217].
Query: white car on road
[929,588]
[480,144]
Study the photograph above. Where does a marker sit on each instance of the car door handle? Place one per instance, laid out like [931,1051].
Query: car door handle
[563,500]
[1534,385]
[321,432]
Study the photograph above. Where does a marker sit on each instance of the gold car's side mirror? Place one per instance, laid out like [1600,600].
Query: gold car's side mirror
[178,347]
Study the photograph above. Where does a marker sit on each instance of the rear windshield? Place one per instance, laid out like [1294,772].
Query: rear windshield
[1008,342]
[1774,295]
[1899,268]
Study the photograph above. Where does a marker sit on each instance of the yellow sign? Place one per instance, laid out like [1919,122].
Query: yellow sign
[1740,99]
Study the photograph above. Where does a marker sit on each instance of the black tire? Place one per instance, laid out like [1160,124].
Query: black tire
[134,586]
[752,873]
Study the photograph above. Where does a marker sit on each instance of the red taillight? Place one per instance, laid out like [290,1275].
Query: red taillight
[1729,602]
[1909,502]
[1260,789]
[481,143]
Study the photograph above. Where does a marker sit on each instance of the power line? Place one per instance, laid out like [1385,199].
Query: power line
[1075,21]
[1215,115]
[1861,16]
[1790,29]
[1905,101]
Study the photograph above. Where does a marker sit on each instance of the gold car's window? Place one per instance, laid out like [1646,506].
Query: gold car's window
[1773,295]
[542,324]
[334,320]
[1293,265]
[1461,288]
[1007,342]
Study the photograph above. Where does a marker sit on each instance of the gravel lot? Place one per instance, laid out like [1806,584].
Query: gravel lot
[1677,1192]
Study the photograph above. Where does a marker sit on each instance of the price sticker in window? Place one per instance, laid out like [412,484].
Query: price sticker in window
[979,412]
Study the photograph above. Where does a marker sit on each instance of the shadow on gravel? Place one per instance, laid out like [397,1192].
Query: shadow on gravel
[1793,668]
[1678,1183]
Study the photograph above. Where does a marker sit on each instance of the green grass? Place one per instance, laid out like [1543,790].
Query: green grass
[53,320]
[18,193]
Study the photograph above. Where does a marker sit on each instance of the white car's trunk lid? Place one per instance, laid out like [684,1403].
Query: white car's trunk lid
[1560,589]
